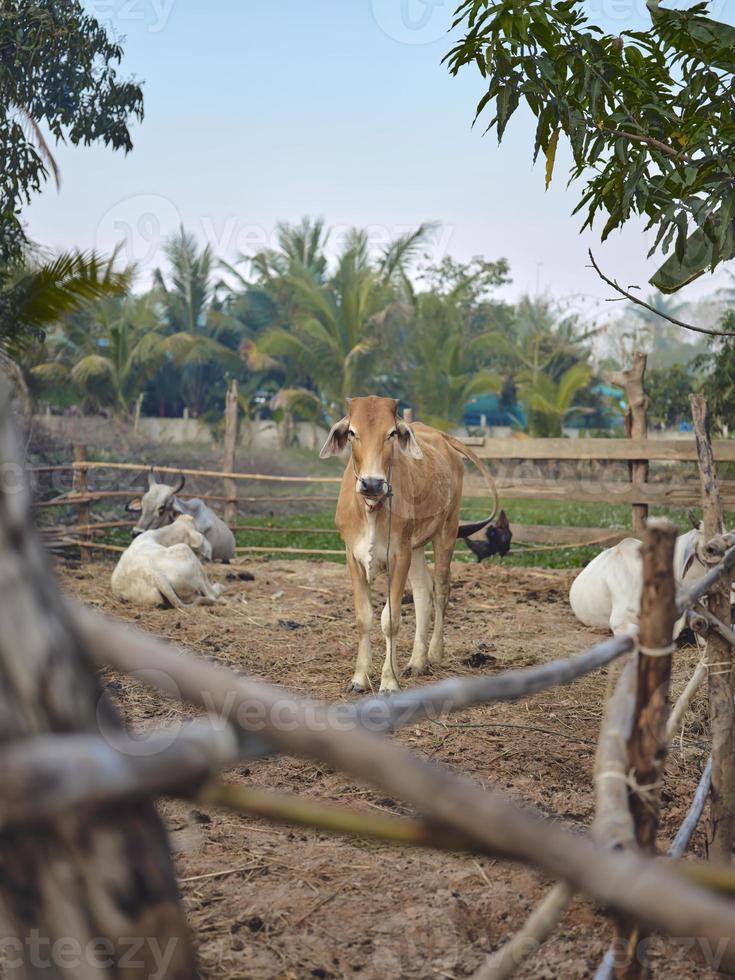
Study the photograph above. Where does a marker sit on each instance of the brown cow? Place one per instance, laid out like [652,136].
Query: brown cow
[402,488]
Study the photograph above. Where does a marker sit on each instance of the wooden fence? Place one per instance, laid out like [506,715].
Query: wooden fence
[82,495]
[60,759]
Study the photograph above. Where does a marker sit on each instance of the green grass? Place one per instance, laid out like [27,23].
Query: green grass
[311,530]
[616,516]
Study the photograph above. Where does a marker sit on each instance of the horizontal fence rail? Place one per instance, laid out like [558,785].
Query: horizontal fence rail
[667,450]
[585,491]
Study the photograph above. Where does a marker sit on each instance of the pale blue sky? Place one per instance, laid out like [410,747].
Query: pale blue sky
[259,111]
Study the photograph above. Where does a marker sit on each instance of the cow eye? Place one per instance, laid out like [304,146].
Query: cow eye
[351,433]
[161,510]
[393,434]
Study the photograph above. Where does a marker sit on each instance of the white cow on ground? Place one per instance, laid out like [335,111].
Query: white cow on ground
[159,506]
[162,565]
[607,593]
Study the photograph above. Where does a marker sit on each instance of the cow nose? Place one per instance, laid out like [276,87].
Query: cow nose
[371,486]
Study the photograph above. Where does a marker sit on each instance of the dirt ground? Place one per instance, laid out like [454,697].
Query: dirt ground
[268,902]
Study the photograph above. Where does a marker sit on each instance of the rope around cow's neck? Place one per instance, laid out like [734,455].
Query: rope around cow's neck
[389,494]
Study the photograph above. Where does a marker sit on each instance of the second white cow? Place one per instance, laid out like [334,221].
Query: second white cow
[163,565]
[607,593]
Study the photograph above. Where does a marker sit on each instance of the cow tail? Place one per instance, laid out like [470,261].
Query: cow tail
[465,530]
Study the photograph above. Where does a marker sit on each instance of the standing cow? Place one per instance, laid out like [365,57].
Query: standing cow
[401,489]
[159,506]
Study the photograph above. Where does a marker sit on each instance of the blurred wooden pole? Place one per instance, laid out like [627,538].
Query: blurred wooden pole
[636,426]
[231,405]
[648,740]
[719,653]
[77,890]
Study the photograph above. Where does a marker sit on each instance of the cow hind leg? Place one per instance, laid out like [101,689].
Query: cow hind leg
[167,590]
[422,587]
[364,615]
[443,550]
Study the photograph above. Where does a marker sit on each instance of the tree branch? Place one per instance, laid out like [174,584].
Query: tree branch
[652,309]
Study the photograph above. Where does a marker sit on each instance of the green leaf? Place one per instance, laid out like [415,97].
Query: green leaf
[551,156]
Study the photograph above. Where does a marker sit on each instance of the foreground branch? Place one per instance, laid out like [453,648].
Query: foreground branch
[655,895]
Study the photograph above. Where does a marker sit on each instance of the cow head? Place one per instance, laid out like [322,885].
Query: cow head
[157,505]
[375,433]
[185,532]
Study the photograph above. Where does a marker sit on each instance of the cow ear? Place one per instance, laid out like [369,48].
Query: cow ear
[407,441]
[337,438]
[134,506]
[176,506]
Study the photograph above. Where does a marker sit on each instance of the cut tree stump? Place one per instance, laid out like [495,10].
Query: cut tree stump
[636,427]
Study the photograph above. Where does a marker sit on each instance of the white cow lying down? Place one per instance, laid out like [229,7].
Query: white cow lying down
[163,565]
[607,593]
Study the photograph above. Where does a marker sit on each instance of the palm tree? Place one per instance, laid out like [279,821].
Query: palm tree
[37,293]
[444,367]
[336,324]
[108,351]
[195,322]
[549,401]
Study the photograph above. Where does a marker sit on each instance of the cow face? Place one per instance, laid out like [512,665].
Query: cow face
[375,433]
[156,506]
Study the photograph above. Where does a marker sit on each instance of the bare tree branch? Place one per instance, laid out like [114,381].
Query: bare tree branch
[652,309]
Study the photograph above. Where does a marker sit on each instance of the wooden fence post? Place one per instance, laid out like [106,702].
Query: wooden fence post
[636,426]
[648,740]
[231,406]
[719,654]
[81,486]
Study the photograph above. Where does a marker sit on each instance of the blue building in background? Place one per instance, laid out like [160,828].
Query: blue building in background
[609,414]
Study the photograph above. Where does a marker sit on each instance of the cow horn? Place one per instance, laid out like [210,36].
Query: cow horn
[693,520]
[151,477]
[180,486]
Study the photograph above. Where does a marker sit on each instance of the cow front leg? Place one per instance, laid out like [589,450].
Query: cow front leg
[391,618]
[422,587]
[364,615]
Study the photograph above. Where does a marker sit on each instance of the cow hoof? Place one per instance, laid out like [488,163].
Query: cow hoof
[412,670]
[354,688]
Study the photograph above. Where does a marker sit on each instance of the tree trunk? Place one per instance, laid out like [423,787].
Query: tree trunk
[92,893]
[719,654]
[636,427]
